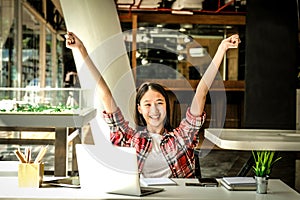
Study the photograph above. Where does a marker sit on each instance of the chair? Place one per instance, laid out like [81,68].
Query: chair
[197,153]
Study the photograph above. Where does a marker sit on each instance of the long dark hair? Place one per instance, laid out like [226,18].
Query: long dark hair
[139,119]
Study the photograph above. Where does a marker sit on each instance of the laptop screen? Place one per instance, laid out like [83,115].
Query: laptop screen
[116,172]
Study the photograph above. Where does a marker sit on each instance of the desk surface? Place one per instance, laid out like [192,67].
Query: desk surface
[254,139]
[47,120]
[277,191]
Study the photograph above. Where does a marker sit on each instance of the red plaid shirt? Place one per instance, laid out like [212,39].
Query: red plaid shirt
[177,146]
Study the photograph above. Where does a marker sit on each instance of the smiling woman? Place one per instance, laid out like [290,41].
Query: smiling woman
[162,151]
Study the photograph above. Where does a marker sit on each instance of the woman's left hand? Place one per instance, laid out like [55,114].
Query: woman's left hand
[231,42]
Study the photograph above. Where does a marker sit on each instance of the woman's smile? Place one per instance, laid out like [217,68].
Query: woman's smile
[153,108]
[154,116]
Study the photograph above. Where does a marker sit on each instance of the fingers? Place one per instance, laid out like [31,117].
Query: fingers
[70,38]
[236,38]
[234,41]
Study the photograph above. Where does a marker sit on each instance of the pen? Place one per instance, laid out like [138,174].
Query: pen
[41,154]
[20,156]
[28,154]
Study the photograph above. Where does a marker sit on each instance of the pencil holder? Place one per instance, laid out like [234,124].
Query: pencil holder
[30,174]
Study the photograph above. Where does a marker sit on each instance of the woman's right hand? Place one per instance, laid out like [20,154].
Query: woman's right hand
[72,41]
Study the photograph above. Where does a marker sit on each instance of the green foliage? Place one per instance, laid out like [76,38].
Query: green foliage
[264,161]
[41,108]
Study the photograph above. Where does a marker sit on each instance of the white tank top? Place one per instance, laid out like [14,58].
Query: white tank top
[156,164]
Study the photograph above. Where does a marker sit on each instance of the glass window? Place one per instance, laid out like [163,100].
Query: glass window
[7,45]
[48,69]
[59,63]
[34,61]
[30,49]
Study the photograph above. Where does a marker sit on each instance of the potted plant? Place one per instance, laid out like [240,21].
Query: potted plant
[263,164]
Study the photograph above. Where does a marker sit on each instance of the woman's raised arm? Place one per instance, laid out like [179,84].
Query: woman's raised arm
[199,99]
[103,91]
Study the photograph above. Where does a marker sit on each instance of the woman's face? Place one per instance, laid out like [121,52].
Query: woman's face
[153,108]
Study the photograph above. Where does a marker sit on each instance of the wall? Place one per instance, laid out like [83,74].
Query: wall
[271,63]
[270,75]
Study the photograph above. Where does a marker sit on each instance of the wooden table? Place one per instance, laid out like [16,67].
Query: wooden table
[59,123]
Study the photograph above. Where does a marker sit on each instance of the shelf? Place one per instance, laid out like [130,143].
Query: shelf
[157,18]
[188,85]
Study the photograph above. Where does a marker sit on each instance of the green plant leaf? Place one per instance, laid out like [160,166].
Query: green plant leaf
[263,162]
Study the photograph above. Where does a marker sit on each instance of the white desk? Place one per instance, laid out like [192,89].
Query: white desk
[277,191]
[254,139]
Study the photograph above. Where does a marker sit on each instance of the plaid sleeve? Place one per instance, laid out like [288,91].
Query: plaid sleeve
[114,120]
[189,128]
[120,132]
[195,121]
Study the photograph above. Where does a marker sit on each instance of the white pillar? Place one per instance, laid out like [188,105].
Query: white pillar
[97,24]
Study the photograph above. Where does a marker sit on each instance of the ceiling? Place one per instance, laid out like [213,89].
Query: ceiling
[176,6]
[193,6]
[183,7]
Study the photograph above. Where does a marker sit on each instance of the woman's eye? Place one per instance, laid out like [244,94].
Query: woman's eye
[160,102]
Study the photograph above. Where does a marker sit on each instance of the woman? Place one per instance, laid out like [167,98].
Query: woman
[161,150]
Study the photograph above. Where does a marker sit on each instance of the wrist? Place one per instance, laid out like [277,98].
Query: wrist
[222,48]
[83,51]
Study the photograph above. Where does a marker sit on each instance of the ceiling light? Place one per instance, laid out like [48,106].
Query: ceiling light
[144,61]
[180,57]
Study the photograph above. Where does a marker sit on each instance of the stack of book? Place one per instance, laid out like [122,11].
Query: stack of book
[239,183]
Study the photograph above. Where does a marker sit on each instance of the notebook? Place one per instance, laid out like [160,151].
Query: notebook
[239,183]
[114,171]
[156,181]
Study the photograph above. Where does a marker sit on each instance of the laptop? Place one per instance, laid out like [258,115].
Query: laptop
[112,171]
